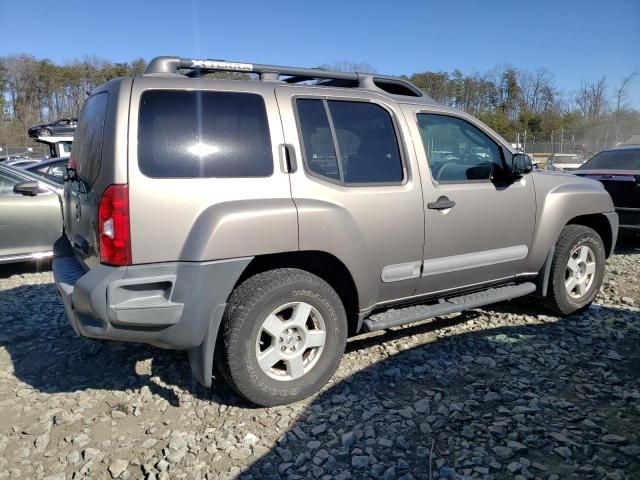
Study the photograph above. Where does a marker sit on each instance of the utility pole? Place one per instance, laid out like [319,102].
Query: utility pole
[553,145]
[606,132]
[561,139]
[524,143]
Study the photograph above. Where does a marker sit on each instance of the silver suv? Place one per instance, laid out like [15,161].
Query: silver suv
[259,224]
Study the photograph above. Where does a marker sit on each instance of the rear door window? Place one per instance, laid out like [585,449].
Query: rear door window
[203,134]
[349,142]
[87,147]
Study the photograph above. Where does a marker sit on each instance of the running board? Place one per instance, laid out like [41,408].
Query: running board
[402,316]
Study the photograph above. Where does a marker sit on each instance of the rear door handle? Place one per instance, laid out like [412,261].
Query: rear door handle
[441,204]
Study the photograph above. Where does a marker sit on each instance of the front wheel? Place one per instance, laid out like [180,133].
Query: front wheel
[577,269]
[45,132]
[284,334]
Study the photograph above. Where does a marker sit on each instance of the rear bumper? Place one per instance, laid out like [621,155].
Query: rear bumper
[176,305]
[629,218]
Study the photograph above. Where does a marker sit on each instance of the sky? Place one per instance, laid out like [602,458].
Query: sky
[575,40]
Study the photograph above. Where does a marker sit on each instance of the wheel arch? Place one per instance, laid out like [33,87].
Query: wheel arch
[603,224]
[325,265]
[600,223]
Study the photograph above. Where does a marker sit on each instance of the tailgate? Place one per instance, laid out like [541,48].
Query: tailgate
[80,196]
[624,188]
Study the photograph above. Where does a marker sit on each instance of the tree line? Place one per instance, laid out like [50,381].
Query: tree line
[510,100]
[34,91]
[514,101]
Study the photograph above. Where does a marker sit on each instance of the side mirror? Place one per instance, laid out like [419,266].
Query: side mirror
[27,188]
[521,164]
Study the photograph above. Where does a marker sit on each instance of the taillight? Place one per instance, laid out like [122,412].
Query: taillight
[113,226]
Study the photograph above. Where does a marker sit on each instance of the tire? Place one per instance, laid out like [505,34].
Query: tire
[45,132]
[278,317]
[571,287]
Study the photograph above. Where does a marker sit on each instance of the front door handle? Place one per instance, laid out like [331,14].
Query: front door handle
[442,203]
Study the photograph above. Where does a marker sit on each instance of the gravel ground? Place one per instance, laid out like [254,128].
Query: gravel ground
[502,392]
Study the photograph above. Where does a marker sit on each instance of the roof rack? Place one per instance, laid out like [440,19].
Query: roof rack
[195,68]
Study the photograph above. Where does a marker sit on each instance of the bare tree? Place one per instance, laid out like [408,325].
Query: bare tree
[538,91]
[621,93]
[592,98]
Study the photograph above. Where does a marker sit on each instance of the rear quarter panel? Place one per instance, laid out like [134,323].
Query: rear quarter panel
[198,219]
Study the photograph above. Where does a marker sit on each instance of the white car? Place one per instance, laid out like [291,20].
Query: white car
[564,162]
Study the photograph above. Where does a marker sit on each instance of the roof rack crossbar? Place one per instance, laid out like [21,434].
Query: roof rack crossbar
[195,68]
[174,64]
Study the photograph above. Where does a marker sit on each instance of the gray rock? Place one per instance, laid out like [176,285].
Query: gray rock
[359,461]
[118,467]
[42,441]
[348,439]
[73,456]
[503,452]
[613,438]
[564,452]
[514,467]
[422,406]
[89,453]
[486,361]
[516,446]
[249,440]
[319,429]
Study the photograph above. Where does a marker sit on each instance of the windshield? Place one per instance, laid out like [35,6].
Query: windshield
[615,160]
[567,159]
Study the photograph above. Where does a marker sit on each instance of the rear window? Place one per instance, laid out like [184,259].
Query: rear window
[203,134]
[87,147]
[614,160]
[566,159]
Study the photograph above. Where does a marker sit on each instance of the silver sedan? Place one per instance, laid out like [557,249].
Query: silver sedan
[30,215]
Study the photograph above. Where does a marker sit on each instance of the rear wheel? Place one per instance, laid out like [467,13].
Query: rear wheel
[284,334]
[577,269]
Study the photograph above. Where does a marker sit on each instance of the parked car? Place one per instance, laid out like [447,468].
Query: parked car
[30,215]
[22,162]
[564,162]
[619,171]
[12,158]
[52,169]
[258,224]
[62,127]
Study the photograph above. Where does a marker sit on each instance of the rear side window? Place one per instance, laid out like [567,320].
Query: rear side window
[203,134]
[319,148]
[349,142]
[87,145]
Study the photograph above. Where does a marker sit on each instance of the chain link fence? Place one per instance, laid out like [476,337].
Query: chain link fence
[28,152]
[543,145]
